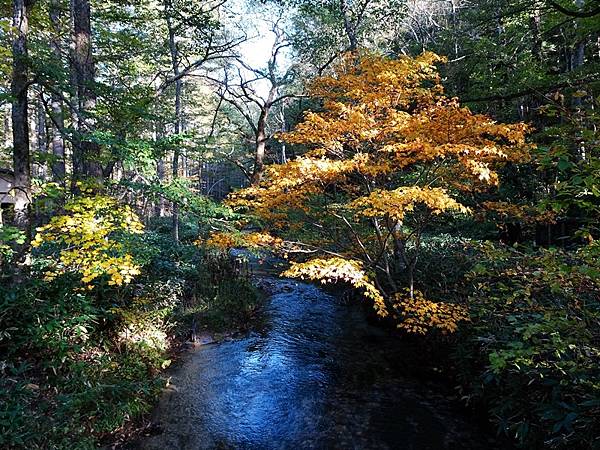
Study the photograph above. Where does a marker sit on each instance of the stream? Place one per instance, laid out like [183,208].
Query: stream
[317,376]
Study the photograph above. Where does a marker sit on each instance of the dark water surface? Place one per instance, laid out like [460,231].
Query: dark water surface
[318,376]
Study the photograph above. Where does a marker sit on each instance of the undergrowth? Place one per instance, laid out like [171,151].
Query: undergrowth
[80,365]
[530,353]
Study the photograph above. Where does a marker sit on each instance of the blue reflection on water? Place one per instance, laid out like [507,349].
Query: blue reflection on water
[318,376]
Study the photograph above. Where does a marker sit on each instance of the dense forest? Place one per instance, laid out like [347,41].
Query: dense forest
[437,162]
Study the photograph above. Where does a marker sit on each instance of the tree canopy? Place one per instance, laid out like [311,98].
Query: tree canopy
[435,161]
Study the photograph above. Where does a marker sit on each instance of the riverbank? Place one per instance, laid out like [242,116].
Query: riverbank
[228,305]
[81,367]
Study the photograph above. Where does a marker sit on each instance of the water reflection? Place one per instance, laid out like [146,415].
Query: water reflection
[318,377]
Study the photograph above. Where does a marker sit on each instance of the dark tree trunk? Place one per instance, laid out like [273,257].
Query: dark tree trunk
[56,107]
[20,119]
[178,90]
[7,128]
[41,138]
[349,27]
[261,137]
[86,154]
[261,145]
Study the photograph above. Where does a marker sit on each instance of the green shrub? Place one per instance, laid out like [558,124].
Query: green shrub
[78,364]
[535,341]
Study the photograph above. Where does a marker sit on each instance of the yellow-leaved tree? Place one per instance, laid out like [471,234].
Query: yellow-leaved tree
[386,153]
[83,240]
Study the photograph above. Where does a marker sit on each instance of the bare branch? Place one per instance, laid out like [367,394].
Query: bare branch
[579,14]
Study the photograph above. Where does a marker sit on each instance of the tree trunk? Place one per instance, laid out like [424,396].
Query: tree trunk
[284,129]
[261,144]
[41,138]
[160,171]
[261,138]
[454,19]
[578,54]
[199,174]
[159,133]
[178,89]
[536,36]
[577,60]
[349,27]
[7,127]
[20,119]
[56,107]
[86,154]
[176,157]
[580,46]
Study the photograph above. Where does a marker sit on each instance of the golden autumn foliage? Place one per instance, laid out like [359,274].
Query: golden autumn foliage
[222,240]
[419,315]
[219,240]
[84,236]
[334,270]
[395,204]
[386,152]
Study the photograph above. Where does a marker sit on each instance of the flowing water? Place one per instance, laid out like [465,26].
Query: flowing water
[318,376]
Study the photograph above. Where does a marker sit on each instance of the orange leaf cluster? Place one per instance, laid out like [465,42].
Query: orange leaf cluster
[419,315]
[334,270]
[386,143]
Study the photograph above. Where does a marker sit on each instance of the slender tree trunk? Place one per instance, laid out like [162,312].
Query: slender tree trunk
[86,156]
[7,127]
[261,145]
[58,144]
[41,137]
[20,118]
[349,27]
[161,172]
[178,90]
[40,127]
[283,130]
[200,174]
[536,36]
[579,53]
[176,157]
[56,107]
[577,60]
[159,133]
[454,19]
[185,169]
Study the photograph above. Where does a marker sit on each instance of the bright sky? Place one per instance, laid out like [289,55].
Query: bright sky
[257,50]
[256,20]
[249,18]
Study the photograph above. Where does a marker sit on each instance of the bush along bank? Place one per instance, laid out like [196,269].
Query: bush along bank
[529,354]
[84,340]
[532,351]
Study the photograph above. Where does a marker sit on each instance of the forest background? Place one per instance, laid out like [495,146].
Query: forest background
[458,194]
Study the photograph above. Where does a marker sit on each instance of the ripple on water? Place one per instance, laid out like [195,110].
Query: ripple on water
[317,376]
